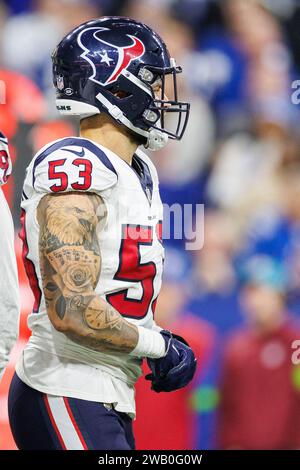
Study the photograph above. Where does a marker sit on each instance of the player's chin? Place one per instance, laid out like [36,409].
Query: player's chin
[136,138]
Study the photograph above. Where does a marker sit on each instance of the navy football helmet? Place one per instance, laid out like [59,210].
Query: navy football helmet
[118,66]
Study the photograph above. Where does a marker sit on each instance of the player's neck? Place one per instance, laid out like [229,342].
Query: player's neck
[104,131]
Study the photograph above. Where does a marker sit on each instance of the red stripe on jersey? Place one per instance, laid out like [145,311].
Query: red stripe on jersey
[29,265]
[158,230]
[54,423]
[66,401]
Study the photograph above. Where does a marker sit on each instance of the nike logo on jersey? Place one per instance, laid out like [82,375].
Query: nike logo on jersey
[79,154]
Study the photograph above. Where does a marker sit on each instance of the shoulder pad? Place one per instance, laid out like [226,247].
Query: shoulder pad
[71,164]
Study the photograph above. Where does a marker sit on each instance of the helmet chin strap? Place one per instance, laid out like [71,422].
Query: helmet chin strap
[156,139]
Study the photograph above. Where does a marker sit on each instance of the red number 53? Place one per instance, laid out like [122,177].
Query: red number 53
[85,174]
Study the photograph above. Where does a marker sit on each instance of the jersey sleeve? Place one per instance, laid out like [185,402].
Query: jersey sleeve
[72,164]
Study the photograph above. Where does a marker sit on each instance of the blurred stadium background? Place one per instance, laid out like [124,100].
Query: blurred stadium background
[238,299]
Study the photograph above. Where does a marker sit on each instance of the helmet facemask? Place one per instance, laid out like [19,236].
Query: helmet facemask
[166,113]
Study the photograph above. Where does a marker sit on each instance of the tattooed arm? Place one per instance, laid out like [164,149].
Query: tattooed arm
[70,263]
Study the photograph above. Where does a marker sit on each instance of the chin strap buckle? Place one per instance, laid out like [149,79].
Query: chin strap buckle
[156,140]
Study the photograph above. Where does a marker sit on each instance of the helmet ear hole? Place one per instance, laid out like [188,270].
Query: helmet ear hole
[120,94]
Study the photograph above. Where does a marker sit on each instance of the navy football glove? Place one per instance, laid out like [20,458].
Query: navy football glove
[176,369]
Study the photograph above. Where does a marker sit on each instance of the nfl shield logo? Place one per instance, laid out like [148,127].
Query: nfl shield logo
[60,82]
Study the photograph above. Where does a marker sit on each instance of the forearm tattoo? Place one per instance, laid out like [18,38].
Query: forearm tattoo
[70,262]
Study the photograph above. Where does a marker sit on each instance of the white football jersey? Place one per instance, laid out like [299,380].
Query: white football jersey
[9,285]
[131,268]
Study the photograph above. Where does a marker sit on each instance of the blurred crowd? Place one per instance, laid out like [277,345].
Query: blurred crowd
[237,300]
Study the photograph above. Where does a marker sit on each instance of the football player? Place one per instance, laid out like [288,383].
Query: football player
[9,287]
[92,238]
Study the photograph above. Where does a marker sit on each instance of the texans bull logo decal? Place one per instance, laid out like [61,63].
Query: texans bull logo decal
[113,59]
